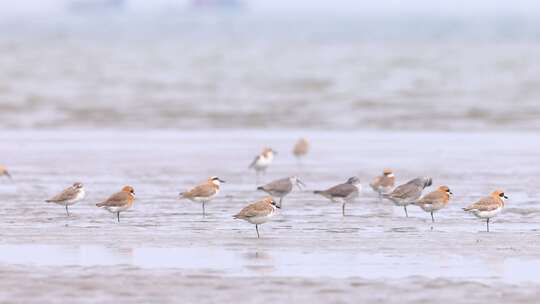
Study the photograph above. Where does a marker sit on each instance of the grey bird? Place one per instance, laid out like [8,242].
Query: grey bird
[409,192]
[281,187]
[343,193]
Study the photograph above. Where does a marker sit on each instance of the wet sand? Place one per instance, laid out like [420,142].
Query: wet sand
[164,251]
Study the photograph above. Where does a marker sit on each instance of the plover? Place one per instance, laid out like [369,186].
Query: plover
[343,193]
[488,207]
[281,187]
[259,212]
[204,193]
[4,172]
[384,183]
[119,201]
[435,201]
[301,148]
[409,192]
[69,196]
[262,161]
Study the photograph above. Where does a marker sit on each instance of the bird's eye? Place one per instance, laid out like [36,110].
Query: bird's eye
[501,195]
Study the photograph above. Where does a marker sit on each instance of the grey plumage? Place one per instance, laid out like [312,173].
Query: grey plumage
[342,193]
[409,192]
[281,187]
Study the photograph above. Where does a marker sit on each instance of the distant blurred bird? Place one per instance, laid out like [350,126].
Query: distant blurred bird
[4,172]
[204,192]
[69,196]
[262,161]
[281,187]
[343,193]
[301,148]
[384,183]
[409,192]
[119,201]
[259,212]
[435,201]
[488,207]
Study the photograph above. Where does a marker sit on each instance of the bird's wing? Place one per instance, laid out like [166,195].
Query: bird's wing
[255,160]
[342,190]
[68,193]
[280,185]
[405,191]
[200,191]
[487,203]
[432,197]
[256,209]
[116,200]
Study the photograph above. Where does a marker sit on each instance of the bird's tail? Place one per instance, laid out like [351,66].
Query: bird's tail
[100,204]
[467,209]
[48,201]
[260,188]
[318,192]
[6,173]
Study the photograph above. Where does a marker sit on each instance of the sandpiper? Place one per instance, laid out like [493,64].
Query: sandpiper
[262,161]
[409,192]
[4,172]
[488,207]
[384,183]
[301,148]
[281,187]
[343,193]
[69,196]
[435,201]
[119,201]
[259,212]
[204,192]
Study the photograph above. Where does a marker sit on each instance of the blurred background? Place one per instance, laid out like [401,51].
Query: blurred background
[204,64]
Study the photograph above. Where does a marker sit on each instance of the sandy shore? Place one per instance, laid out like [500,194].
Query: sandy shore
[163,249]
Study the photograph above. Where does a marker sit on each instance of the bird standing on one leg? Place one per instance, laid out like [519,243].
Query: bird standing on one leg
[343,193]
[204,192]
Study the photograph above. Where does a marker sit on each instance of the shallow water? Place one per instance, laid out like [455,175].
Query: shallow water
[164,238]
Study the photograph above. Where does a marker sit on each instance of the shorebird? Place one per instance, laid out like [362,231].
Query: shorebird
[384,183]
[259,212]
[435,201]
[409,192]
[262,161]
[488,207]
[203,193]
[69,196]
[119,201]
[343,193]
[4,172]
[281,187]
[301,148]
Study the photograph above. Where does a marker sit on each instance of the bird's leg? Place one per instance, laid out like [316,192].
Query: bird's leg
[67,211]
[487,224]
[203,209]
[343,209]
[257,229]
[118,216]
[280,199]
[405,208]
[432,219]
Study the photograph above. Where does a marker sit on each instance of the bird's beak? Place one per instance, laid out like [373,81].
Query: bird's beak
[450,193]
[275,152]
[278,206]
[220,180]
[505,197]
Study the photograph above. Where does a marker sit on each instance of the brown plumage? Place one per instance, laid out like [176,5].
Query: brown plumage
[259,212]
[204,192]
[488,207]
[119,201]
[301,147]
[69,196]
[4,172]
[435,201]
[384,183]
